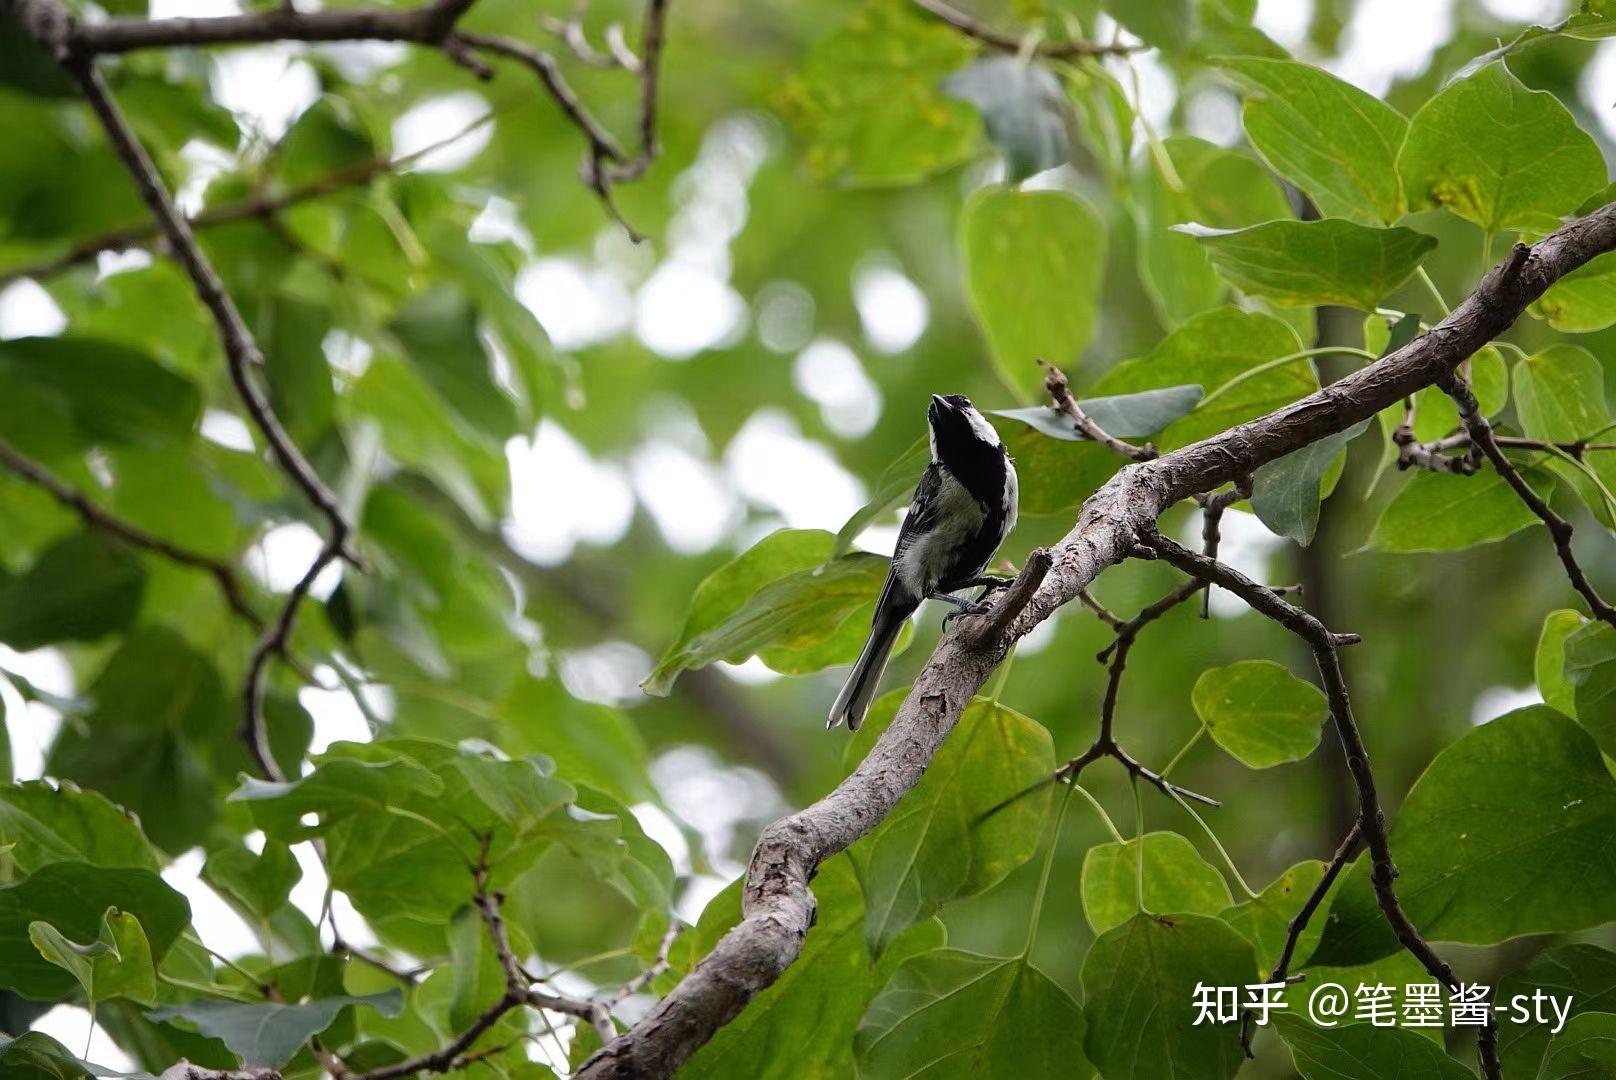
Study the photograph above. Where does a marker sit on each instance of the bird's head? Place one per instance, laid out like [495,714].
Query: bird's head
[957,430]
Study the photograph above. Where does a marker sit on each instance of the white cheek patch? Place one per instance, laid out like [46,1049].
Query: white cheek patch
[980,425]
[931,437]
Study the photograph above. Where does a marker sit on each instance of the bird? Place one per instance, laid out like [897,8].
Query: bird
[963,508]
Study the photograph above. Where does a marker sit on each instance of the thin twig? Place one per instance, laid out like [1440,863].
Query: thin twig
[221,572]
[1010,43]
[1326,647]
[1061,394]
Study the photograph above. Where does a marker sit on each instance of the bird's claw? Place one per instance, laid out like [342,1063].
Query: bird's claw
[974,607]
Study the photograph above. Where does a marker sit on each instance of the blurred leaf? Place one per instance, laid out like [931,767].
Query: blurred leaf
[1445,512]
[1585,1049]
[955,1013]
[269,1032]
[1498,154]
[292,333]
[1034,262]
[33,1055]
[1176,879]
[1306,263]
[866,100]
[938,845]
[1364,1052]
[1500,837]
[1582,301]
[1144,413]
[77,590]
[47,823]
[111,393]
[893,489]
[327,138]
[1216,186]
[1259,712]
[1169,25]
[1285,493]
[478,978]
[438,331]
[1138,985]
[117,964]
[779,595]
[335,789]
[1584,974]
[1326,136]
[73,897]
[256,884]
[1548,666]
[1025,109]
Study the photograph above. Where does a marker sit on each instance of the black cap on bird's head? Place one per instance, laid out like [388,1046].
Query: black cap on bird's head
[956,426]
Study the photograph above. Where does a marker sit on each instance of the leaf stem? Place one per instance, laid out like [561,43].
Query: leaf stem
[1043,877]
[1269,365]
[1139,841]
[1105,818]
[1212,836]
[1193,739]
[1436,294]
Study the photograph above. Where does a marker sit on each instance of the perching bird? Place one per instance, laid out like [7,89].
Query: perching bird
[964,507]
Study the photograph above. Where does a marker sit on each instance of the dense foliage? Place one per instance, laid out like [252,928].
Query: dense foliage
[572,460]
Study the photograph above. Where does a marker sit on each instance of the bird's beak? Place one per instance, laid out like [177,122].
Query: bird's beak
[937,402]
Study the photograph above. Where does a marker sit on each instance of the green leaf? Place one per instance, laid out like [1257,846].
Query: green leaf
[1560,394]
[478,978]
[74,897]
[438,332]
[80,589]
[1445,512]
[1589,668]
[1218,187]
[258,885]
[1218,350]
[778,599]
[43,824]
[1177,879]
[1584,300]
[33,1055]
[1503,835]
[1364,1052]
[110,393]
[1265,919]
[937,845]
[892,489]
[1130,415]
[867,102]
[1585,1049]
[1586,974]
[815,1005]
[1259,712]
[334,790]
[269,1032]
[1498,154]
[955,1013]
[1326,136]
[1548,665]
[1285,492]
[116,964]
[1139,985]
[1034,262]
[1027,114]
[1307,263]
[292,334]
[1169,25]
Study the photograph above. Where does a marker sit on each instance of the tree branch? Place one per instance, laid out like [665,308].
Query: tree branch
[777,905]
[1060,393]
[1371,819]
[1003,42]
[1484,444]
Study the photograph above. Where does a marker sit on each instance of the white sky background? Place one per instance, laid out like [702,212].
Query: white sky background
[697,494]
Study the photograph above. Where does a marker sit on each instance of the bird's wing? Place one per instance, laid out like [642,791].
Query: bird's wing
[923,509]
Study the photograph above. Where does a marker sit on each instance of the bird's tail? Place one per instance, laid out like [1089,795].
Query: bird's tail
[891,611]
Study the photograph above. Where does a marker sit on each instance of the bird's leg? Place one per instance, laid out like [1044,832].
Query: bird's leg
[988,582]
[961,607]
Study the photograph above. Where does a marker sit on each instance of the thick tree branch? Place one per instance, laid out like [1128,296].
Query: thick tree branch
[777,905]
[1371,819]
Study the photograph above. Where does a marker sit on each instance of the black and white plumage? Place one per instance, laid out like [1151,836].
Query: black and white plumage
[964,507]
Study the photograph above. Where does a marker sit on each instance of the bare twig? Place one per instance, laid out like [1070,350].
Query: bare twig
[1325,646]
[95,515]
[1485,444]
[1061,394]
[1003,42]
[1299,922]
